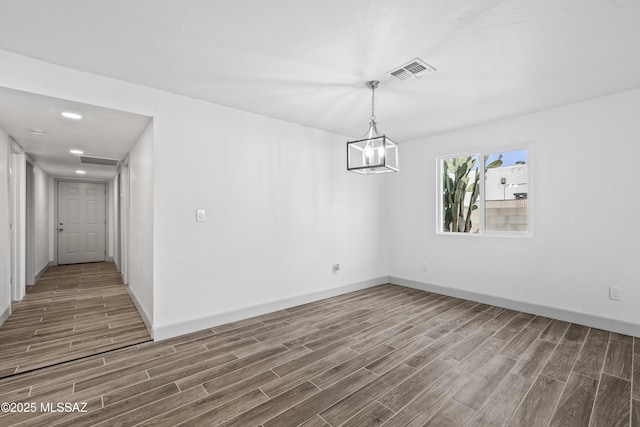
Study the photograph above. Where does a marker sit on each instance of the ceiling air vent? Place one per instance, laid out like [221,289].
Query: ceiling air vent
[85,160]
[414,68]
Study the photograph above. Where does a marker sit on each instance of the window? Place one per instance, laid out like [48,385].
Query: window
[485,197]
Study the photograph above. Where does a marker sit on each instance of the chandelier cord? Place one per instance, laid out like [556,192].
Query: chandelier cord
[373,105]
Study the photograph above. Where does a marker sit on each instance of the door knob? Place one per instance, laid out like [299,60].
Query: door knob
[60,229]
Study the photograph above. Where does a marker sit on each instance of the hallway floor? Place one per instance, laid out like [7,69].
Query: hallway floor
[73,311]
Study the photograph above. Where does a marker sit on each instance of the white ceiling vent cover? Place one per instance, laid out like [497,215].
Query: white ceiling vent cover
[414,68]
[86,160]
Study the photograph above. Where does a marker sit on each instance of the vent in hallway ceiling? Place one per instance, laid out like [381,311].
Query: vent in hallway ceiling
[415,68]
[86,160]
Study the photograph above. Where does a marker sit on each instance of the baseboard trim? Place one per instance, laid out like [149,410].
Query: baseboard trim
[5,315]
[593,321]
[143,313]
[44,270]
[176,329]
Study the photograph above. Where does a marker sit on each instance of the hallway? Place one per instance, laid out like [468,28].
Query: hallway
[73,311]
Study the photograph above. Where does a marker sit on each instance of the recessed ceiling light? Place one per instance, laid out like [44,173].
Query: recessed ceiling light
[76,152]
[37,132]
[69,115]
[80,172]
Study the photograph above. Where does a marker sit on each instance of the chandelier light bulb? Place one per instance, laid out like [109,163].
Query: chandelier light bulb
[368,152]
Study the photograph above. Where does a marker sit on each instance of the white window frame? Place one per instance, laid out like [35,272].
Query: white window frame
[481,199]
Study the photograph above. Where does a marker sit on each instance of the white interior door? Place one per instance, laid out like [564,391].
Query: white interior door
[81,222]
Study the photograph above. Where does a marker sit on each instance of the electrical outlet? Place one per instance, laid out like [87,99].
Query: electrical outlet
[425,267]
[201,216]
[335,269]
[615,293]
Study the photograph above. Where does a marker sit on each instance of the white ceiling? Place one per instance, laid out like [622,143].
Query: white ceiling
[100,133]
[306,61]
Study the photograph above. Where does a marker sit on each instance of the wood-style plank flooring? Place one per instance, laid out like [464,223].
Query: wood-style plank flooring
[387,355]
[71,312]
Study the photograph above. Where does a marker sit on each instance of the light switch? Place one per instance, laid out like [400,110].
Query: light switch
[200,215]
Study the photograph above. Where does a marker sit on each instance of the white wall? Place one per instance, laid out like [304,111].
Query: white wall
[281,210]
[5,254]
[586,233]
[141,224]
[41,220]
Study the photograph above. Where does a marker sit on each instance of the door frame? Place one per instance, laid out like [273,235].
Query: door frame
[123,206]
[30,260]
[18,216]
[55,213]
[116,198]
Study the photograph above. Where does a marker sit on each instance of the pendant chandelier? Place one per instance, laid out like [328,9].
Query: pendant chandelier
[373,152]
